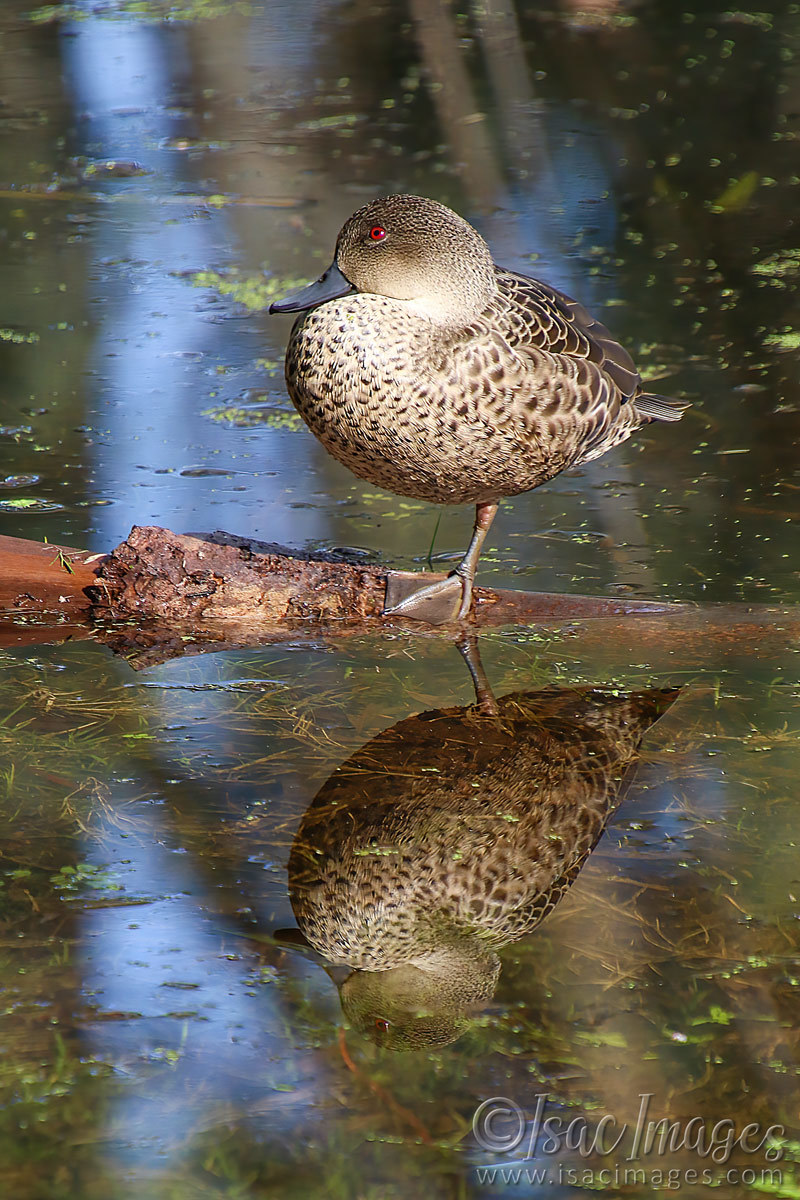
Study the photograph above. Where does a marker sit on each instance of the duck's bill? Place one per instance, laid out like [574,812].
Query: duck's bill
[329,286]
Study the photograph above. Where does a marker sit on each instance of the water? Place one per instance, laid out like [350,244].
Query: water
[165,1031]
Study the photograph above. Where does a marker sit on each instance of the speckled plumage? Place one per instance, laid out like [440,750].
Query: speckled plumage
[493,396]
[451,834]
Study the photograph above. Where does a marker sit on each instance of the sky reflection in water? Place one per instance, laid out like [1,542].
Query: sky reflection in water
[643,159]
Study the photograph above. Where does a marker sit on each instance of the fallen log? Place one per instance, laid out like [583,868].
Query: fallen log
[43,594]
[156,574]
[160,595]
[38,577]
[159,574]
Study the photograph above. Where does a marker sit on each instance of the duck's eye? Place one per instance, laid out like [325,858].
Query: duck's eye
[381,1025]
[377,233]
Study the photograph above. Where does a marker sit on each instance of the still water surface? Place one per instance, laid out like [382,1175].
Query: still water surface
[167,1029]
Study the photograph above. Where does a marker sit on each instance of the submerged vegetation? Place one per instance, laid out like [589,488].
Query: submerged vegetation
[689,932]
[143,10]
[253,291]
[246,415]
[170,168]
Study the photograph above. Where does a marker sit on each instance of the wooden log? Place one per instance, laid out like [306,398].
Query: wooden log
[43,591]
[158,574]
[247,590]
[38,577]
[160,595]
[196,594]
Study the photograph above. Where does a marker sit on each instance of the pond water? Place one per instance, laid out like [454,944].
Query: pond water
[181,843]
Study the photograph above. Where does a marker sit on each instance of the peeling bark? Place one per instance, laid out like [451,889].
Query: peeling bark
[156,573]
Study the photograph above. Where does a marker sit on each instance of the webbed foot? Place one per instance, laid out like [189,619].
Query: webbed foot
[407,595]
[449,599]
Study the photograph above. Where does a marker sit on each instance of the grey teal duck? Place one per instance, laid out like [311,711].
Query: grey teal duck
[430,371]
[450,835]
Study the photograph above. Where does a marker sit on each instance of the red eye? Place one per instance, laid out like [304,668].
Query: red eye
[377,233]
[381,1025]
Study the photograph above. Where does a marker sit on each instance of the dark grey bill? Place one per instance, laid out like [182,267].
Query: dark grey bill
[329,286]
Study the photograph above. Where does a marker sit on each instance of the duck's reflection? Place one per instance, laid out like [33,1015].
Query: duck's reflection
[449,835]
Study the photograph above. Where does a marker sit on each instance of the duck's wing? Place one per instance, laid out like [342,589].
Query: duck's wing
[538,315]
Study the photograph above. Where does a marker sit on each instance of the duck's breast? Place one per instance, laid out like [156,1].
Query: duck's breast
[451,416]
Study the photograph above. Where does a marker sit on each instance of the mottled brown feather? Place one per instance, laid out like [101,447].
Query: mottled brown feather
[446,378]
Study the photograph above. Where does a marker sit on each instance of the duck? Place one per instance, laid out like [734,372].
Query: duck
[431,372]
[450,835]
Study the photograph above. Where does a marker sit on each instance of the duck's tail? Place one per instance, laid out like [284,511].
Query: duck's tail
[659,408]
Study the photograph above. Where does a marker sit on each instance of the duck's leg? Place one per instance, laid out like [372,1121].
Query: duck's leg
[447,599]
[484,515]
[467,646]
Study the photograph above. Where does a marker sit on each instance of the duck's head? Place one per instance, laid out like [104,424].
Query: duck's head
[410,249]
[430,1001]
